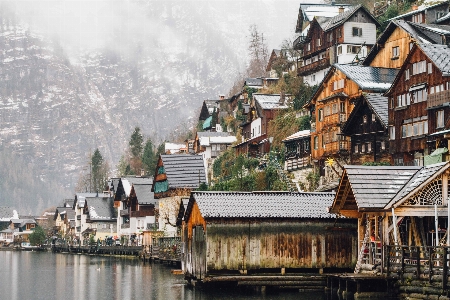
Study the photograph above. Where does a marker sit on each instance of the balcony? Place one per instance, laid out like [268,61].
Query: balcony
[437,99]
[335,147]
[314,67]
[79,217]
[335,119]
[298,43]
[124,213]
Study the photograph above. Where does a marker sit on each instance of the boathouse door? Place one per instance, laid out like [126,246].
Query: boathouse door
[198,252]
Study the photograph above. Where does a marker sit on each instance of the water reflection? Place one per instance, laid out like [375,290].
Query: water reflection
[36,275]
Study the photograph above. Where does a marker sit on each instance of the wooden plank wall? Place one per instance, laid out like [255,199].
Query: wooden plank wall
[287,244]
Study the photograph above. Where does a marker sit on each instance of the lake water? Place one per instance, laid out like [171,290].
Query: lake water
[44,275]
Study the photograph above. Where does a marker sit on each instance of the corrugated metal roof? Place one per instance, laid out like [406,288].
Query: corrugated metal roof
[421,8]
[311,10]
[101,208]
[439,55]
[375,186]
[271,101]
[298,135]
[369,78]
[379,105]
[184,170]
[206,141]
[420,177]
[263,204]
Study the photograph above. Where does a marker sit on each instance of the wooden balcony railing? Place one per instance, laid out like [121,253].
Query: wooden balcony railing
[298,43]
[337,146]
[335,119]
[438,99]
[313,67]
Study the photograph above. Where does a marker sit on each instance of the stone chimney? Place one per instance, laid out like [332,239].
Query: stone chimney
[221,97]
[341,9]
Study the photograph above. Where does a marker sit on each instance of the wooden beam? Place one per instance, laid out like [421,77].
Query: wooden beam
[420,211]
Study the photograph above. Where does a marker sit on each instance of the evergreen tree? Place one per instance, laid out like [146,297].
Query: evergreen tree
[149,157]
[99,171]
[37,237]
[136,147]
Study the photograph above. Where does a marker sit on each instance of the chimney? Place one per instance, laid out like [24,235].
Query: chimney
[341,9]
[221,97]
[415,7]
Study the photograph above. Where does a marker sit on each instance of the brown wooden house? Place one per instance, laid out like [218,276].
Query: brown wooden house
[397,40]
[418,105]
[332,104]
[367,127]
[259,232]
[426,14]
[344,38]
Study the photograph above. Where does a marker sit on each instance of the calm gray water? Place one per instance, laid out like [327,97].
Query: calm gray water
[44,275]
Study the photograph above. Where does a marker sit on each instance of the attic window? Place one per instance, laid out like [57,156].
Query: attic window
[373,117]
[356,31]
[364,119]
[395,52]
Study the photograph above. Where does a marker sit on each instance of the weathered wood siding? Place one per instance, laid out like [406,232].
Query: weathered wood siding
[332,123]
[403,147]
[251,245]
[384,58]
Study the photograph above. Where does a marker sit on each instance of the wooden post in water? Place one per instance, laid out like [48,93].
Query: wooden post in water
[444,268]
[418,263]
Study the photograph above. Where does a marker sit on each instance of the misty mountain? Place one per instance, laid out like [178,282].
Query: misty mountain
[152,66]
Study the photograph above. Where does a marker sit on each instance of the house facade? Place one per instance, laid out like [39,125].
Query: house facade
[418,105]
[344,38]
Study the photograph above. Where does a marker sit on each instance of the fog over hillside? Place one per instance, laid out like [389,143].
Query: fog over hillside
[80,75]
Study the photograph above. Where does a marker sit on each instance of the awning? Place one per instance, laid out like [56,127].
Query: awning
[207,123]
[440,132]
[417,87]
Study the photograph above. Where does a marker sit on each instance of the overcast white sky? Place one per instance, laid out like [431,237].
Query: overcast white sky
[93,23]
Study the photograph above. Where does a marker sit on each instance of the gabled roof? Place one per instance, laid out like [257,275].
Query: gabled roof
[343,17]
[444,18]
[101,208]
[22,221]
[262,204]
[308,11]
[418,10]
[371,187]
[384,36]
[184,170]
[369,78]
[379,105]
[298,135]
[433,32]
[271,101]
[439,55]
[422,177]
[144,193]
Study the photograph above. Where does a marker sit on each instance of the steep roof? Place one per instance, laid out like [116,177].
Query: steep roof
[384,36]
[425,174]
[184,170]
[262,204]
[211,134]
[308,11]
[439,55]
[421,8]
[144,193]
[271,101]
[379,105]
[374,186]
[432,32]
[369,78]
[206,141]
[343,17]
[101,208]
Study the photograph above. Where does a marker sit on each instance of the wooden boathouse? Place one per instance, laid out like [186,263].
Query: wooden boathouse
[265,238]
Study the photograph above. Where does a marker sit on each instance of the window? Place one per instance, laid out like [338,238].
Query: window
[395,52]
[407,74]
[339,50]
[356,31]
[414,128]
[369,147]
[419,67]
[373,117]
[353,49]
[318,42]
[364,119]
[419,96]
[430,68]
[363,148]
[402,100]
[411,44]
[323,142]
[316,142]
[320,115]
[308,47]
[338,84]
[334,108]
[417,18]
[339,33]
[342,107]
[330,37]
[439,119]
[392,133]
[313,77]
[356,149]
[383,145]
[104,226]
[327,111]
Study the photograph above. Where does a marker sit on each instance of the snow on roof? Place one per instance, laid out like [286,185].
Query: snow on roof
[297,135]
[173,148]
